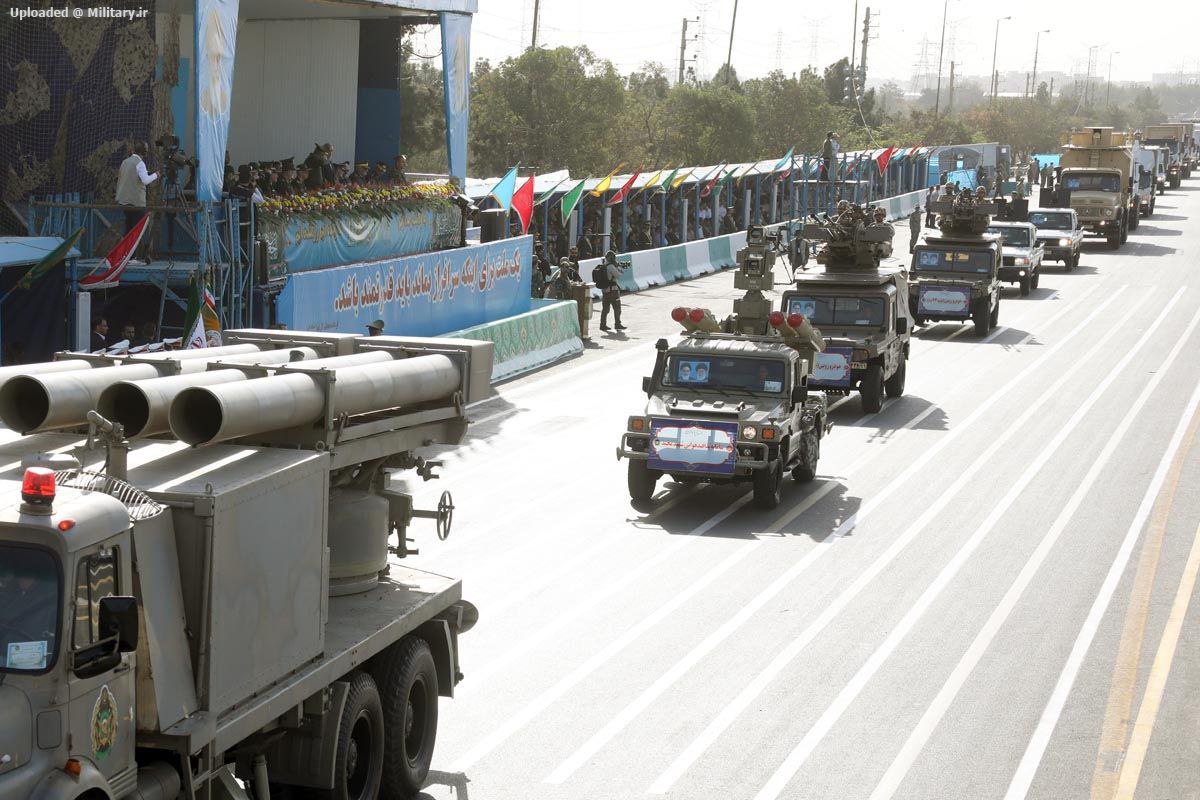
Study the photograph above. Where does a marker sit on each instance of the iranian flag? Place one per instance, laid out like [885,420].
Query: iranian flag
[108,272]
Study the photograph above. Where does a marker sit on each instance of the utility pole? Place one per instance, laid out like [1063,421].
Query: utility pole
[854,41]
[536,4]
[682,49]
[995,47]
[950,100]
[1051,95]
[729,54]
[866,36]
[941,49]
[1108,87]
[1037,43]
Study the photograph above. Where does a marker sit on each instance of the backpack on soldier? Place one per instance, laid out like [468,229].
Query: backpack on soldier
[600,276]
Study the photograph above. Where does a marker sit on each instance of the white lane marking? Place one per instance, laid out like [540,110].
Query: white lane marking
[929,721]
[727,715]
[783,775]
[1034,752]
[515,722]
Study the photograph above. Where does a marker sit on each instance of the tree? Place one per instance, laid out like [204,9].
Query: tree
[835,80]
[640,132]
[708,125]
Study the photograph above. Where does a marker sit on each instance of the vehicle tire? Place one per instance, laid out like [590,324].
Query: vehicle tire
[358,761]
[1124,231]
[871,389]
[408,684]
[1135,219]
[894,386]
[1026,285]
[768,486]
[994,317]
[1036,278]
[810,453]
[641,481]
[1153,200]
[1114,240]
[981,316]
[1072,261]
[918,322]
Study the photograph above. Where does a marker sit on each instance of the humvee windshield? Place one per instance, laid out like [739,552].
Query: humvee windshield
[701,371]
[847,311]
[29,603]
[1094,183]
[1050,220]
[1012,237]
[973,261]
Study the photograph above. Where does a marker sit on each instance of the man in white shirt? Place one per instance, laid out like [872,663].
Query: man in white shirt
[132,180]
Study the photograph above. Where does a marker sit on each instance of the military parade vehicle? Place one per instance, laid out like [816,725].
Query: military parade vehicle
[1021,254]
[1059,233]
[1145,185]
[1097,171]
[859,301]
[955,272]
[1176,138]
[729,402]
[200,592]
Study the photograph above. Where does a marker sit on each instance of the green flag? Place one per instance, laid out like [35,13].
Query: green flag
[49,261]
[571,198]
[544,196]
[193,325]
[665,185]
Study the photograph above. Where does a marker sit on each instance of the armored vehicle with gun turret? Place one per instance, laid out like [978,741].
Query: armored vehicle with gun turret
[729,403]
[202,587]
[956,271]
[858,298]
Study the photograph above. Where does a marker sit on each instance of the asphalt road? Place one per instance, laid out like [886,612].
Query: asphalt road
[989,591]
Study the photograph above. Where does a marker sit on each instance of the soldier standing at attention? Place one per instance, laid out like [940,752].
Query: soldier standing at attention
[609,272]
[914,228]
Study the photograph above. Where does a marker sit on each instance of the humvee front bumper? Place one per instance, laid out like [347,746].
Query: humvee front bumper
[750,455]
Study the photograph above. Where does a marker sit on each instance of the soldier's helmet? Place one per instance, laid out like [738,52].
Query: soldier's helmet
[611,255]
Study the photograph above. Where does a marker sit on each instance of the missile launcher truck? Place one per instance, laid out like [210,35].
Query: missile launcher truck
[200,595]
[729,403]
[956,271]
[859,301]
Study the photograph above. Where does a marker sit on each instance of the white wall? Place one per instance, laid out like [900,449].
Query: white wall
[295,84]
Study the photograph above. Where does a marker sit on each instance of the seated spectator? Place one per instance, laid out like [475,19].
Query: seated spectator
[379,174]
[360,176]
[149,335]
[399,164]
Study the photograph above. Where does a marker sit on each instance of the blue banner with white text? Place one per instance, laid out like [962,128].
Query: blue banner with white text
[456,72]
[216,40]
[423,295]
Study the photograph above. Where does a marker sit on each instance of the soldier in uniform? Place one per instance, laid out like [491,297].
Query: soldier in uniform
[399,164]
[914,228]
[585,244]
[611,296]
[285,183]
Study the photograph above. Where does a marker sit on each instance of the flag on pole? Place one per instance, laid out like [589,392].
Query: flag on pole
[49,261]
[571,199]
[786,161]
[665,183]
[624,192]
[675,184]
[212,320]
[650,184]
[522,203]
[108,272]
[193,325]
[884,158]
[708,187]
[544,196]
[603,186]
[502,192]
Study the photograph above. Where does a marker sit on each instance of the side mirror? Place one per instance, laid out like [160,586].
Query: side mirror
[661,345]
[119,619]
[799,393]
[901,325]
[646,384]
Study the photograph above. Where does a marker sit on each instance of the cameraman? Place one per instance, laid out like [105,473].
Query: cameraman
[132,180]
[611,271]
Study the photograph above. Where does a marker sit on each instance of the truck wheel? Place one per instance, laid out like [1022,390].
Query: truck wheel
[806,470]
[768,486]
[980,315]
[895,384]
[641,482]
[1114,239]
[871,389]
[1036,278]
[1026,284]
[408,679]
[994,318]
[1124,231]
[1153,200]
[358,761]
[1072,261]
[1135,219]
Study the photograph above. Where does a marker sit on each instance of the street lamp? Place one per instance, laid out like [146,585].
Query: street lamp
[995,47]
[1036,44]
[941,49]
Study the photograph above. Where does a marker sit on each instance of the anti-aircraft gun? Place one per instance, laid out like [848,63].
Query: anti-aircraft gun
[729,402]
[206,536]
[956,271]
[860,303]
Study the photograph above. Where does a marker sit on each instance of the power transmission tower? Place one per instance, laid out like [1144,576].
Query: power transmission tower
[778,51]
[950,99]
[813,41]
[922,71]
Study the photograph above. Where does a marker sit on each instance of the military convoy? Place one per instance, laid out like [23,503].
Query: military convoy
[1021,253]
[860,303]
[1098,171]
[1059,233]
[730,403]
[200,574]
[956,271]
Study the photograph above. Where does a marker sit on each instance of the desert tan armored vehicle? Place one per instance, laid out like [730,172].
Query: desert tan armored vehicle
[859,301]
[1178,139]
[1098,172]
[956,272]
[729,403]
[201,591]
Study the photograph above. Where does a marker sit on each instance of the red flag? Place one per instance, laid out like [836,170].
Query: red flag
[708,187]
[108,272]
[522,203]
[884,158]
[624,192]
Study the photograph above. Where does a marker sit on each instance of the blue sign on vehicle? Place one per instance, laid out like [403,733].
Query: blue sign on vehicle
[693,445]
[832,368]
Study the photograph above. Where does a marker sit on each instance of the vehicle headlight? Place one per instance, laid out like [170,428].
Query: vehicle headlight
[749,432]
[637,424]
[1063,242]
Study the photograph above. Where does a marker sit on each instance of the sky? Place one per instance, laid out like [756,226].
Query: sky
[791,35]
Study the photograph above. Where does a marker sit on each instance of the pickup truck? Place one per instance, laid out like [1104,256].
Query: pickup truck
[1059,233]
[1021,254]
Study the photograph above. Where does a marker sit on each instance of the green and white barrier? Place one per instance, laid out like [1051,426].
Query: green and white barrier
[527,341]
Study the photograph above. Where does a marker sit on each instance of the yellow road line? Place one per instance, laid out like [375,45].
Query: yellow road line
[1156,685]
[1119,710]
